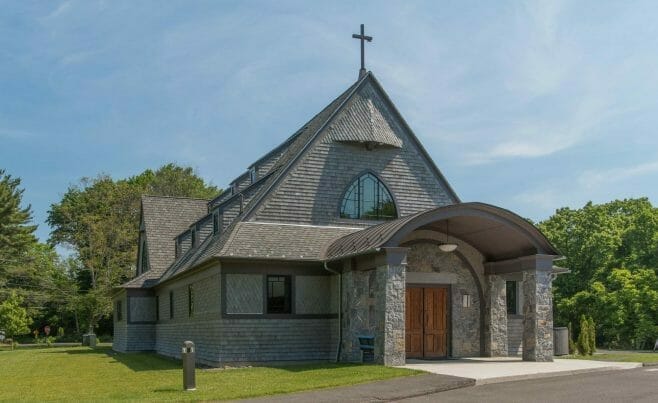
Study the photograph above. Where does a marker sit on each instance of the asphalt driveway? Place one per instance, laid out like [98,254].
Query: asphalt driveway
[634,385]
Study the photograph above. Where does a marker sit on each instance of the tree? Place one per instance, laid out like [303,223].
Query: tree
[583,338]
[99,220]
[16,234]
[13,317]
[612,251]
[591,327]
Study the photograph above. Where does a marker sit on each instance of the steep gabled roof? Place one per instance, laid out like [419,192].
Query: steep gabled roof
[289,152]
[289,149]
[164,218]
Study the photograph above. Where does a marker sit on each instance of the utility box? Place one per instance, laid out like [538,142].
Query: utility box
[189,366]
[89,339]
[560,341]
[367,346]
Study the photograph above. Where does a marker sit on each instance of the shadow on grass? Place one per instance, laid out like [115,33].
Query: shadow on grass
[311,366]
[135,361]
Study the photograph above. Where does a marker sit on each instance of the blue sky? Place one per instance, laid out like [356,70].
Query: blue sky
[527,105]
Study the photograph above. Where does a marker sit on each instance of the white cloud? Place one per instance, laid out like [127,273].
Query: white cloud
[592,179]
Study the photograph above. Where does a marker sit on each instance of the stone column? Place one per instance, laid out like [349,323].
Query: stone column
[537,315]
[496,317]
[390,301]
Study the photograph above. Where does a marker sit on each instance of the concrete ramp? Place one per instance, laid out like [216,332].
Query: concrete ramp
[505,369]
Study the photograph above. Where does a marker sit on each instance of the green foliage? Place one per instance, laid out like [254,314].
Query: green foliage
[99,220]
[591,327]
[572,344]
[60,332]
[612,251]
[582,344]
[15,232]
[13,316]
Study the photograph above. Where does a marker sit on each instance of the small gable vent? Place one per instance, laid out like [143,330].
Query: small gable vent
[364,123]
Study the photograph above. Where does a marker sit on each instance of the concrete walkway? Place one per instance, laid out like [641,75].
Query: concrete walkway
[504,369]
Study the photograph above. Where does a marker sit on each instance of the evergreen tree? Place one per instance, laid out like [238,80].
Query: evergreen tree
[16,233]
[572,344]
[592,334]
[583,337]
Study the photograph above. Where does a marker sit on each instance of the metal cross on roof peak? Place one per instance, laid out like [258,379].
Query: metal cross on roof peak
[363,38]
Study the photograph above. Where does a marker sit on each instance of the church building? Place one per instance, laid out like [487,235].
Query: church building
[346,232]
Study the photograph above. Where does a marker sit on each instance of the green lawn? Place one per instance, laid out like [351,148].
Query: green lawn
[81,373]
[621,356]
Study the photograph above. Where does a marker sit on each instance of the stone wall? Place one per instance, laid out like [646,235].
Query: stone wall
[427,264]
[373,305]
[496,317]
[359,317]
[514,335]
[390,302]
[538,316]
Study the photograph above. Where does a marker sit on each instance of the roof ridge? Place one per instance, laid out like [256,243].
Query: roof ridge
[415,139]
[346,96]
[174,197]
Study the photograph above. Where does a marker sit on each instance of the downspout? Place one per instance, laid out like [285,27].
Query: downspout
[340,308]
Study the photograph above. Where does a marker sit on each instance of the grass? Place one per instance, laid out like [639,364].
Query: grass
[629,356]
[626,357]
[84,374]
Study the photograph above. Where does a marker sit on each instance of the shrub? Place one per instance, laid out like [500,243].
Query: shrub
[572,344]
[583,337]
[60,332]
[591,326]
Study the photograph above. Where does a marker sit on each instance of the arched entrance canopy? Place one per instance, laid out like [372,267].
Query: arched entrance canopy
[497,233]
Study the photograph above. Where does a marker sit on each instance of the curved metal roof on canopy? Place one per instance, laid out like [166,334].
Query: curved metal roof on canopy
[497,233]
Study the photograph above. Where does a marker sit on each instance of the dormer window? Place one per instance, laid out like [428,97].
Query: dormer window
[367,198]
[193,237]
[178,247]
[252,174]
[215,223]
[144,262]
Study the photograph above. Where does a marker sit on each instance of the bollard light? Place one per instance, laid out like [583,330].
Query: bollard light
[188,356]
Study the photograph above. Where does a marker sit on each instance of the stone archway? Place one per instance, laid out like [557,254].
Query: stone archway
[427,265]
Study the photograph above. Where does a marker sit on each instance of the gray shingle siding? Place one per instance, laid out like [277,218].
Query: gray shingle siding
[205,228]
[313,189]
[120,336]
[264,166]
[224,340]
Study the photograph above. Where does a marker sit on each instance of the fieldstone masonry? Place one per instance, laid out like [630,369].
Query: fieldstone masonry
[496,317]
[538,316]
[373,305]
[390,301]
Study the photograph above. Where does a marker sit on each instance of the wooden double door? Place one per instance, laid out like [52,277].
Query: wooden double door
[426,322]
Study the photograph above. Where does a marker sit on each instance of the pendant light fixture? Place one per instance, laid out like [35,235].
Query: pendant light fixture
[447,246]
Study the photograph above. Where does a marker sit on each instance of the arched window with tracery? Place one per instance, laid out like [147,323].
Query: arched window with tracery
[367,198]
